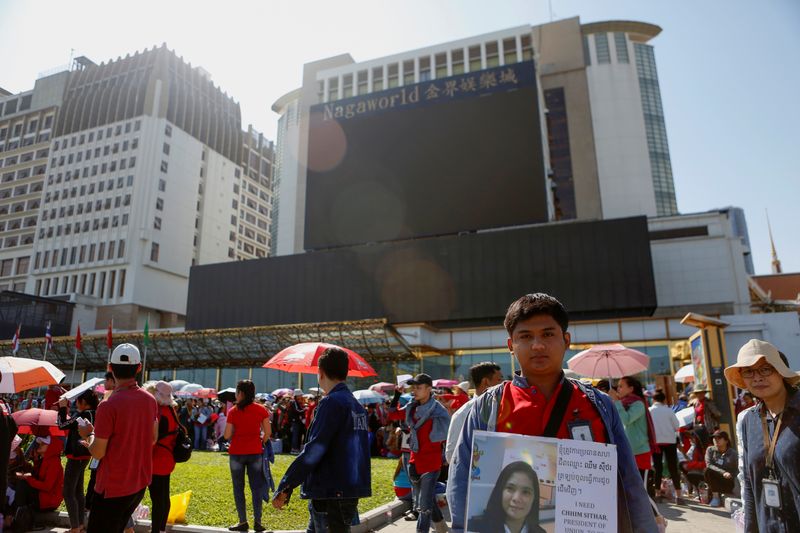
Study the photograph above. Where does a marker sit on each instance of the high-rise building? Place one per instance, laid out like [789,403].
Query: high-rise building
[148,173]
[27,120]
[597,103]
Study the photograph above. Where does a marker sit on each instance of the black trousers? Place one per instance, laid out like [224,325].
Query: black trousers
[331,516]
[717,482]
[670,451]
[159,494]
[110,515]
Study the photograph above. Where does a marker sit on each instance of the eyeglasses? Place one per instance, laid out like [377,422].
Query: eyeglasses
[763,371]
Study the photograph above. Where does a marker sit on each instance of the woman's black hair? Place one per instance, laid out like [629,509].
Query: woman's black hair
[248,390]
[638,390]
[494,516]
[90,398]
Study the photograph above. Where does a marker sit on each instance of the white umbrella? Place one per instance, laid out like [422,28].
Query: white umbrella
[685,374]
[77,391]
[367,397]
[18,374]
[178,384]
[191,387]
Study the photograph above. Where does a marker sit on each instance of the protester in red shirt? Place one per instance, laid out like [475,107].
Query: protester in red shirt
[163,460]
[44,486]
[428,421]
[247,429]
[126,428]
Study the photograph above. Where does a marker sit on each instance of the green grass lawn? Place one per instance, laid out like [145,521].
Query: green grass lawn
[208,476]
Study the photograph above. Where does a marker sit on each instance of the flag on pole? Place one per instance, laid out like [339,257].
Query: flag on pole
[15,341]
[109,336]
[48,337]
[78,339]
[146,339]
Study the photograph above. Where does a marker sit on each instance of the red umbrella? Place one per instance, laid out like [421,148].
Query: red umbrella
[444,383]
[303,358]
[205,393]
[37,421]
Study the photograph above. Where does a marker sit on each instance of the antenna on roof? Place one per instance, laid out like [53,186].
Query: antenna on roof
[776,263]
[550,5]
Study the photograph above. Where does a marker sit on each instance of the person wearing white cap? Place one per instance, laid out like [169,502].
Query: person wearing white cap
[770,438]
[122,439]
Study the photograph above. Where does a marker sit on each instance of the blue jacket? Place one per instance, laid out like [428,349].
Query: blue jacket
[633,504]
[335,460]
[758,518]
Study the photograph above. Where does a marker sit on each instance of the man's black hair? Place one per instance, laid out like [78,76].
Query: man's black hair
[124,371]
[109,375]
[659,396]
[482,370]
[535,304]
[603,385]
[334,363]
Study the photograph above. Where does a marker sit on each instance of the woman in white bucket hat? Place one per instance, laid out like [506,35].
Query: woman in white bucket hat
[770,438]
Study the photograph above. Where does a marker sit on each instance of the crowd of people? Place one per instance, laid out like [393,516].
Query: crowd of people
[131,437]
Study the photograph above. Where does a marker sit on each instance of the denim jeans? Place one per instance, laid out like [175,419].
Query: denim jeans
[424,496]
[331,516]
[258,484]
[297,434]
[200,436]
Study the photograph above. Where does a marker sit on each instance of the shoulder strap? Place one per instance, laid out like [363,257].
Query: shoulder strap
[559,409]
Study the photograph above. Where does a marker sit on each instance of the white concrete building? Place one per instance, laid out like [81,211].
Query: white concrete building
[144,180]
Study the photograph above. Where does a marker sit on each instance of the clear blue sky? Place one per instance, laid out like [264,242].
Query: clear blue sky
[728,68]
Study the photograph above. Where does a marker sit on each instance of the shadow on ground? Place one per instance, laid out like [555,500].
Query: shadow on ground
[675,513]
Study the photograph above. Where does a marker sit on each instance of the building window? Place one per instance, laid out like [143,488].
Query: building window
[587,56]
[168,130]
[157,223]
[492,54]
[166,149]
[601,46]
[621,44]
[121,282]
[101,251]
[164,166]
[160,204]
[6,267]
[102,288]
[162,185]
[474,58]
[154,252]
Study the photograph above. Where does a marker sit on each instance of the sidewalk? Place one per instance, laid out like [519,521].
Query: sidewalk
[693,518]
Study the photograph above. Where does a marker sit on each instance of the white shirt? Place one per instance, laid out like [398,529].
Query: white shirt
[664,422]
[454,431]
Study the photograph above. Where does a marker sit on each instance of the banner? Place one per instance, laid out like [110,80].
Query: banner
[543,484]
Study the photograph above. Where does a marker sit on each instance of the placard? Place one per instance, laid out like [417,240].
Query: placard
[543,484]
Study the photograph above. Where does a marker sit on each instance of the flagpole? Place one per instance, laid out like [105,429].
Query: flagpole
[145,341]
[75,357]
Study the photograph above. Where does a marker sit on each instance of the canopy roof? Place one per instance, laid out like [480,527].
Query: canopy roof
[375,340]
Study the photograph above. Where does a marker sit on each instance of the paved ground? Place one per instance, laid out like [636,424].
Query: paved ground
[681,519]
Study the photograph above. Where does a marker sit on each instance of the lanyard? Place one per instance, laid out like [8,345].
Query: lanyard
[769,443]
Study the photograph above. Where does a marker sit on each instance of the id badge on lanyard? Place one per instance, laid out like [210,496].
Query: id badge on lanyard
[580,429]
[771,484]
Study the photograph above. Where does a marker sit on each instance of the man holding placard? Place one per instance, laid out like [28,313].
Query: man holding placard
[540,401]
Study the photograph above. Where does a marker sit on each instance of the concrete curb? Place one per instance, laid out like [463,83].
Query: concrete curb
[371,520]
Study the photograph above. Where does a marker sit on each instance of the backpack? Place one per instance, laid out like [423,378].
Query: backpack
[182,450]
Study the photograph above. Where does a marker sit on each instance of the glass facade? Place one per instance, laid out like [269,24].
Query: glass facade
[560,157]
[621,44]
[601,48]
[660,163]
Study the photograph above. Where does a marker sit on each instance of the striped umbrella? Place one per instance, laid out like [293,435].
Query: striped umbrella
[19,374]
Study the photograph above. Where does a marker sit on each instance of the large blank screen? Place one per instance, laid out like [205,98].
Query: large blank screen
[434,158]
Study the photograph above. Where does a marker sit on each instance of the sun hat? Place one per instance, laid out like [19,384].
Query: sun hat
[750,354]
[125,354]
[464,385]
[163,393]
[298,392]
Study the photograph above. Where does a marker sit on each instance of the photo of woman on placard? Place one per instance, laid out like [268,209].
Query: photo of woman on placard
[513,505]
